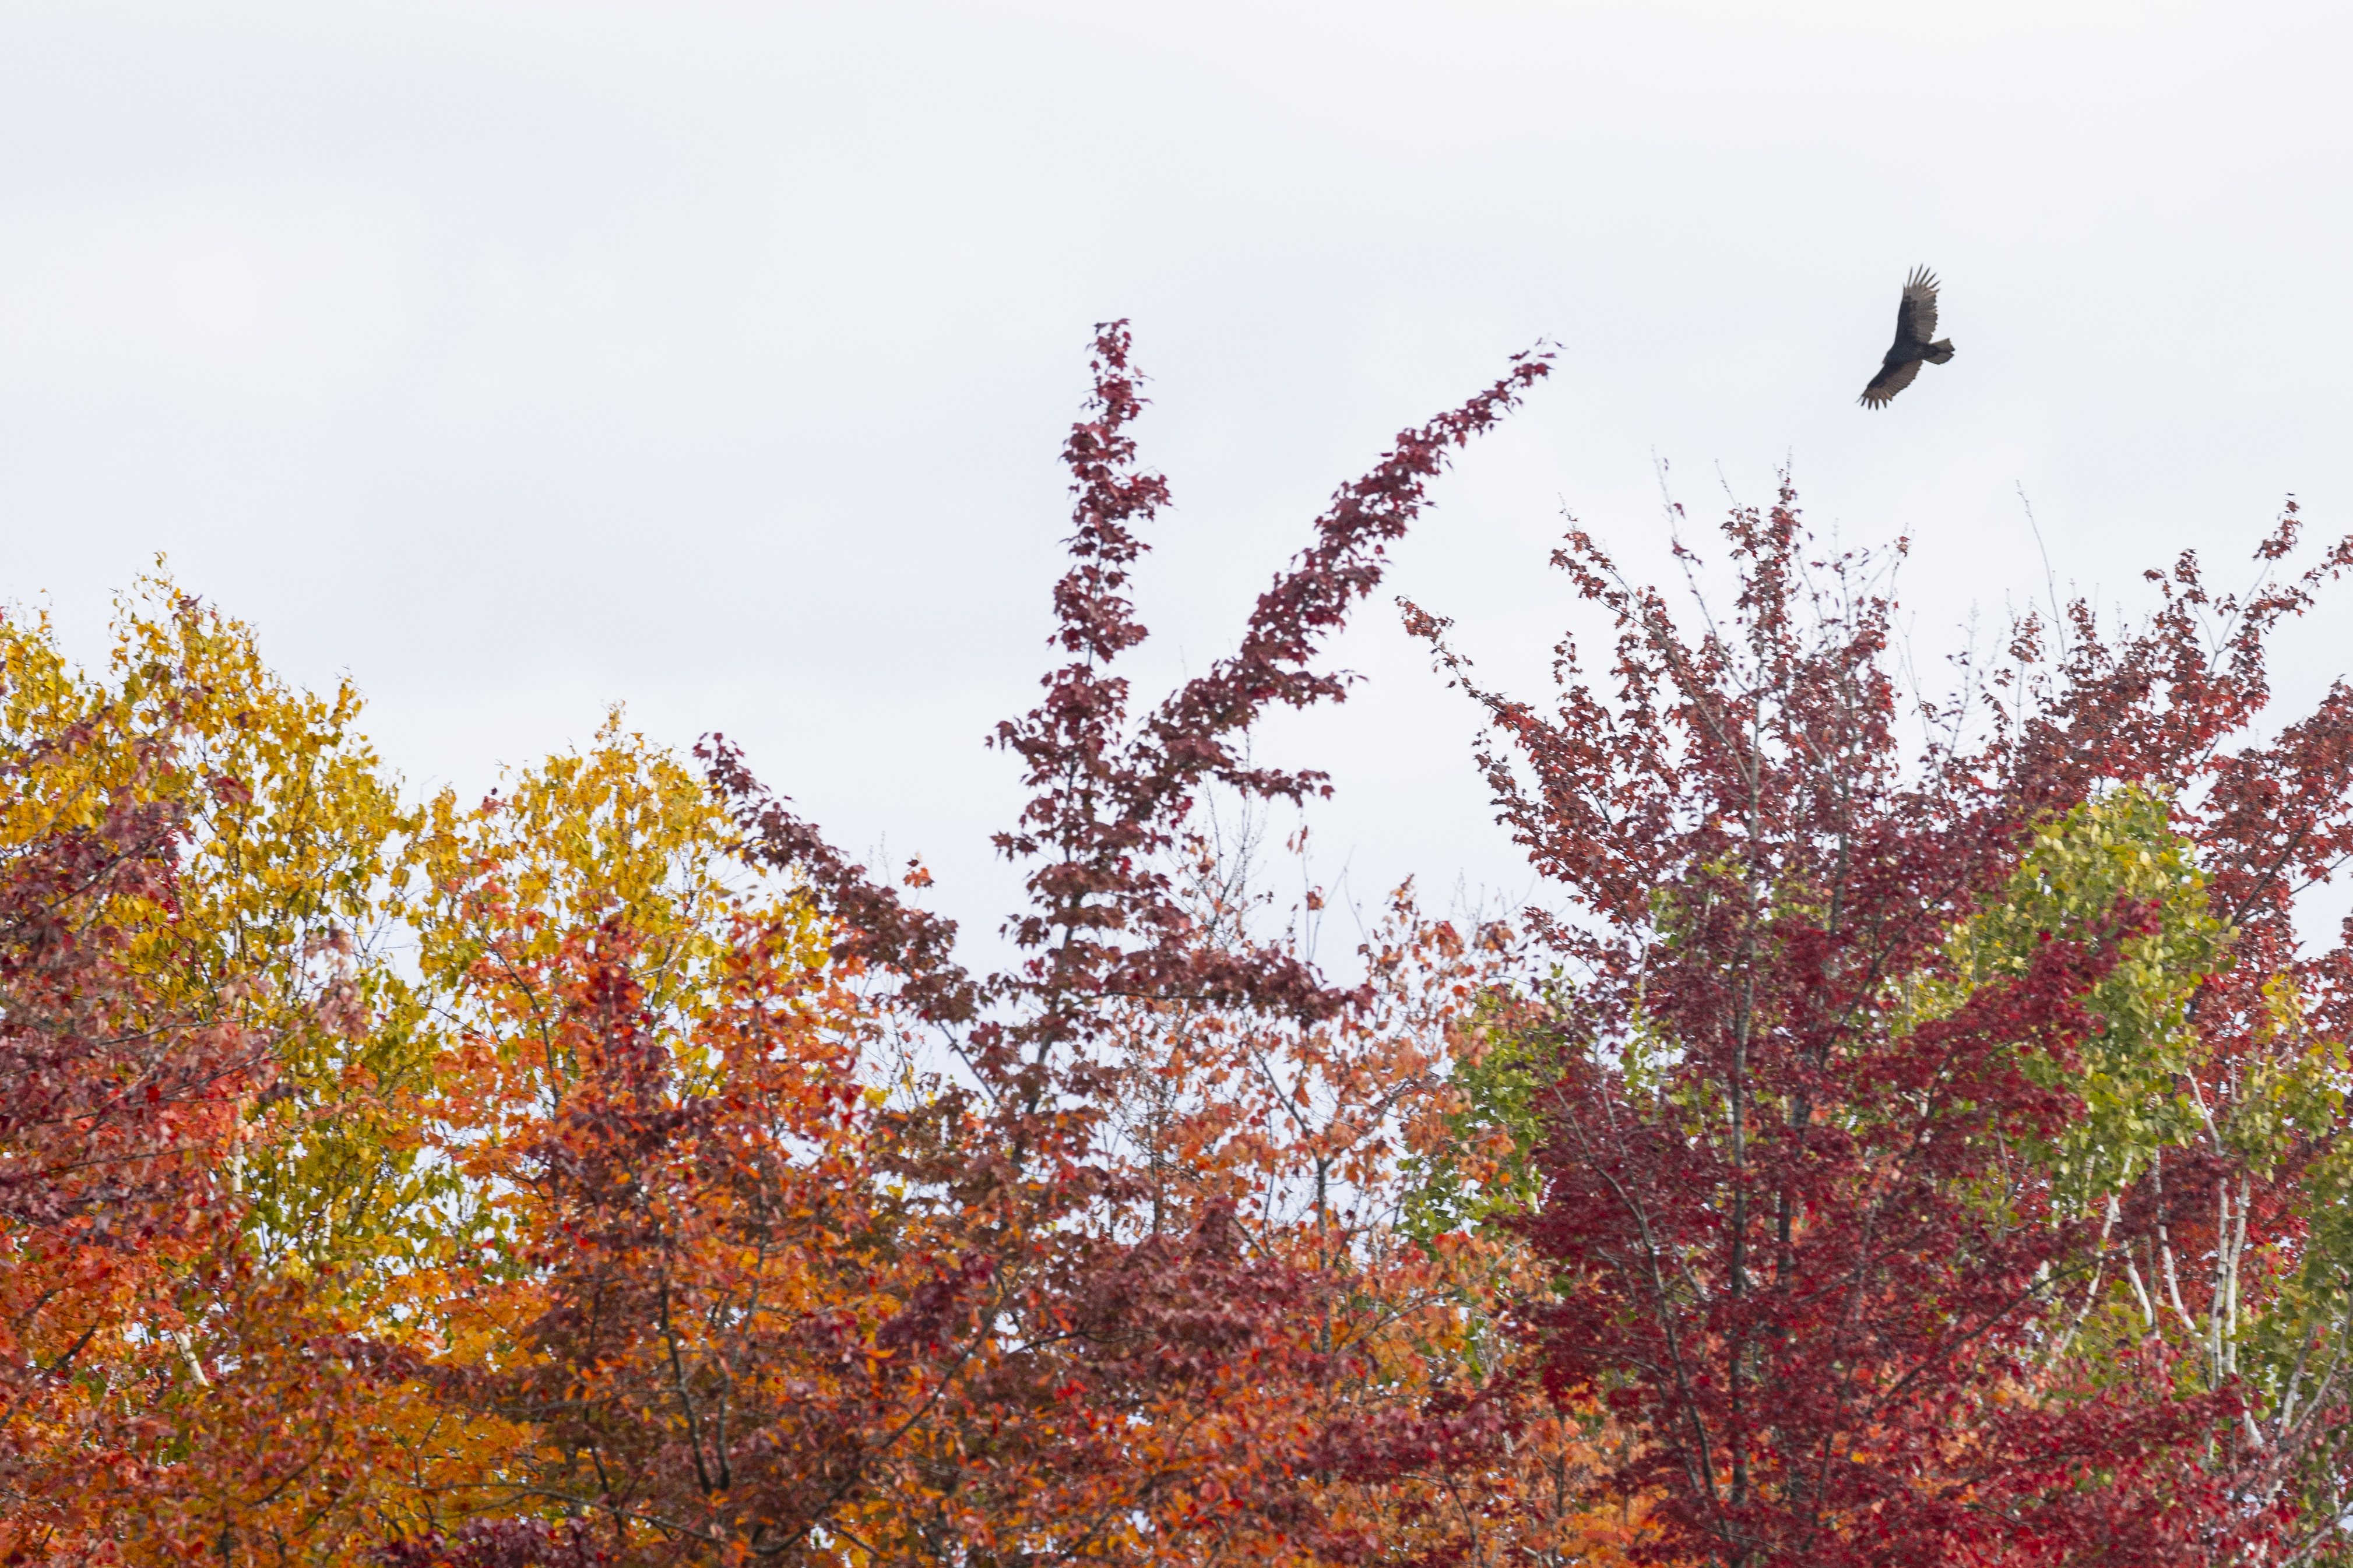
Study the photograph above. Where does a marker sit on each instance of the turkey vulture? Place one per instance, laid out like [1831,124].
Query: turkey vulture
[1915,324]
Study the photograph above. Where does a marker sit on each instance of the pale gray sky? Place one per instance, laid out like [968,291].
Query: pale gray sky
[523,358]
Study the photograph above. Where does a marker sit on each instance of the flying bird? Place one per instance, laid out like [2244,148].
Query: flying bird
[1915,325]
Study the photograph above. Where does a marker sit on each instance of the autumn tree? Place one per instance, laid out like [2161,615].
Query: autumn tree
[1929,1138]
[986,1332]
[116,1111]
[1181,1339]
[210,1001]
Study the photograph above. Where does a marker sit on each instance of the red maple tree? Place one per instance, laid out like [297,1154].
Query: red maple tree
[783,1317]
[1812,1243]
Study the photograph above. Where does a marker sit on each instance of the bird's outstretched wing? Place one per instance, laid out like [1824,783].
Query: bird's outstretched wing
[1915,316]
[1890,381]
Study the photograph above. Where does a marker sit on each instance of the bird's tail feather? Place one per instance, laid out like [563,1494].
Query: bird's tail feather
[1940,350]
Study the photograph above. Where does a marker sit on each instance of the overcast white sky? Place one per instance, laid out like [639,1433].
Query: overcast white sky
[519,359]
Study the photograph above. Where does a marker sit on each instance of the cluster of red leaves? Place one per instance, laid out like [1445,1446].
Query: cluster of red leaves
[115,1115]
[1158,1381]
[1800,1251]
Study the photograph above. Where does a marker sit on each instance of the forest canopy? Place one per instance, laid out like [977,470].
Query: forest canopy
[1908,1127]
